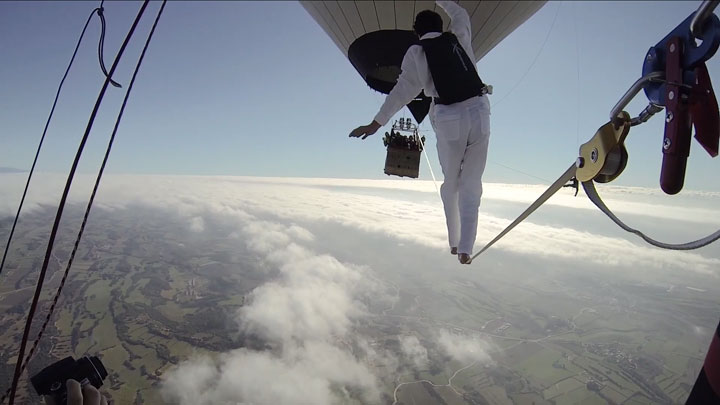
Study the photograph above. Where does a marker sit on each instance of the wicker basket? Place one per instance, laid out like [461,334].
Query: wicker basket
[402,162]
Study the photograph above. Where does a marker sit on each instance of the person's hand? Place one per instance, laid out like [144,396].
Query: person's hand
[365,130]
[80,395]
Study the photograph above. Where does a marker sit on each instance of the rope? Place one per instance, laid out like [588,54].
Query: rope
[94,192]
[47,124]
[61,206]
[577,66]
[521,172]
[427,159]
[557,185]
[537,55]
[592,194]
[101,45]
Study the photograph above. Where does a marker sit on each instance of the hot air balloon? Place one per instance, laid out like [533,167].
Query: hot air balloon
[374,35]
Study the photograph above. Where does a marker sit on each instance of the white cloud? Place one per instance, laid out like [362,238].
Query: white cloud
[309,313]
[187,384]
[307,375]
[312,300]
[306,314]
[197,224]
[464,348]
[414,351]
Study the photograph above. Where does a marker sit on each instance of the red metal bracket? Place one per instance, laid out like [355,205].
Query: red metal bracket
[678,124]
[704,111]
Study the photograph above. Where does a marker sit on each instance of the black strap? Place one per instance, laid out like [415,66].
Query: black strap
[592,194]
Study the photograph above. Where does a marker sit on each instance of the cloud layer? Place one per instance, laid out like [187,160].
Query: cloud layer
[376,206]
[311,311]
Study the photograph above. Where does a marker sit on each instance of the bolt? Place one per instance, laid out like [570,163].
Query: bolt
[594,155]
[649,56]
[672,48]
[668,117]
[666,143]
[671,95]
[579,163]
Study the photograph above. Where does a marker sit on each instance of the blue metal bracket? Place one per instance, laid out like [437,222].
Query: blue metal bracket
[693,54]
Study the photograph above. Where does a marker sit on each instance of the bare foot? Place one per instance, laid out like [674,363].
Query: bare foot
[464,258]
[453,250]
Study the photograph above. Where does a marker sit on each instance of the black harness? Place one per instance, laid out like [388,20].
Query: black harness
[453,73]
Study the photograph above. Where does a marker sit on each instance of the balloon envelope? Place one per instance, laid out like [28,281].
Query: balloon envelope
[374,35]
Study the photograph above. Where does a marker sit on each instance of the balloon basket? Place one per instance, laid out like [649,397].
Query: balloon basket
[402,162]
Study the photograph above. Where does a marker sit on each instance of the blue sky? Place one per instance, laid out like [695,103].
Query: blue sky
[257,88]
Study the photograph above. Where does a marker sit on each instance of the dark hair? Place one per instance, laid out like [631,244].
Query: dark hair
[427,21]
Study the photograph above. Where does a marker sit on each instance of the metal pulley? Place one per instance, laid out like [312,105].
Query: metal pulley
[604,157]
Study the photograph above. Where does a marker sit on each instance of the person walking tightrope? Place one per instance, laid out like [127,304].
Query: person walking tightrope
[442,65]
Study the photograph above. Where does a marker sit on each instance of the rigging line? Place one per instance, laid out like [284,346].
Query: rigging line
[395,13]
[101,45]
[61,205]
[42,139]
[537,55]
[377,15]
[352,31]
[577,88]
[427,159]
[95,188]
[520,171]
[361,19]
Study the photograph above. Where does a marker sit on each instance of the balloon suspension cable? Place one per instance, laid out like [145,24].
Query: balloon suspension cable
[97,10]
[53,233]
[92,196]
[432,174]
[535,59]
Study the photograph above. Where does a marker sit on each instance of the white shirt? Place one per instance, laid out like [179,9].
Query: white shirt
[415,75]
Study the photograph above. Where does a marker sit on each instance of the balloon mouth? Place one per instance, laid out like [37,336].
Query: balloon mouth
[377,57]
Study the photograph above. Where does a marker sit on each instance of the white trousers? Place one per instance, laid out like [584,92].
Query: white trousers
[463,132]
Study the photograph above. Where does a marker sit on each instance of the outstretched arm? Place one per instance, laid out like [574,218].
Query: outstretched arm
[459,18]
[406,89]
[365,130]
